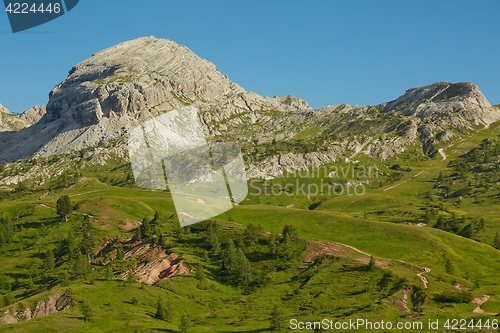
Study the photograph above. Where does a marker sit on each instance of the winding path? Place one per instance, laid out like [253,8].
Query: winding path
[423,278]
[442,153]
[420,275]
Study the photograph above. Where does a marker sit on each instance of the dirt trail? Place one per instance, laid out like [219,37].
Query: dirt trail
[441,150]
[354,249]
[423,278]
[44,205]
[404,181]
[442,153]
[43,195]
[335,248]
[76,195]
[393,186]
[418,174]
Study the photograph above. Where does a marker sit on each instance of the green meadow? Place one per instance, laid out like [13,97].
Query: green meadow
[394,220]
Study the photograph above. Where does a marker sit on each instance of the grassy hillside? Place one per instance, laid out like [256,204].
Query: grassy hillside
[309,276]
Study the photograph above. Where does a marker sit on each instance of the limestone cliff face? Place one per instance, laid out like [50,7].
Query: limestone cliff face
[442,107]
[33,115]
[139,79]
[107,95]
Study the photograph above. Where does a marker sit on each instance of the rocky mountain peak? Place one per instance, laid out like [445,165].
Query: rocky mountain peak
[440,96]
[130,77]
[106,95]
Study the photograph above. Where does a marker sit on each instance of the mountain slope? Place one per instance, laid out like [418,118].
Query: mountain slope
[107,95]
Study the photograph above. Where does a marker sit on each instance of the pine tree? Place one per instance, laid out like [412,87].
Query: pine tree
[251,235]
[244,269]
[216,246]
[272,244]
[185,324]
[120,254]
[71,245]
[474,156]
[87,244]
[276,319]
[290,232]
[63,207]
[3,238]
[156,217]
[487,157]
[213,237]
[454,223]
[285,249]
[468,231]
[496,241]
[8,299]
[441,176]
[428,216]
[230,256]
[161,311]
[481,224]
[169,311]
[441,222]
[86,311]
[50,261]
[5,283]
[109,273]
[131,278]
[138,234]
[200,274]
[178,231]
[372,265]
[146,228]
[81,266]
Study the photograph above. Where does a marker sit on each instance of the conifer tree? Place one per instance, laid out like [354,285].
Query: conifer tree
[63,207]
[50,261]
[496,241]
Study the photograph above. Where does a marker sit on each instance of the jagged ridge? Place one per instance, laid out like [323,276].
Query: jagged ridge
[106,95]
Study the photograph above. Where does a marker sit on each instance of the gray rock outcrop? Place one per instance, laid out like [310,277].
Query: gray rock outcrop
[10,122]
[33,115]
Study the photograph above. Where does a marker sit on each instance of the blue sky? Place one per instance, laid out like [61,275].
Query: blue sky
[326,52]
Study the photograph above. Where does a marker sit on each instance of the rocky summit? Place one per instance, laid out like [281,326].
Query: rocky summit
[104,96]
[107,95]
